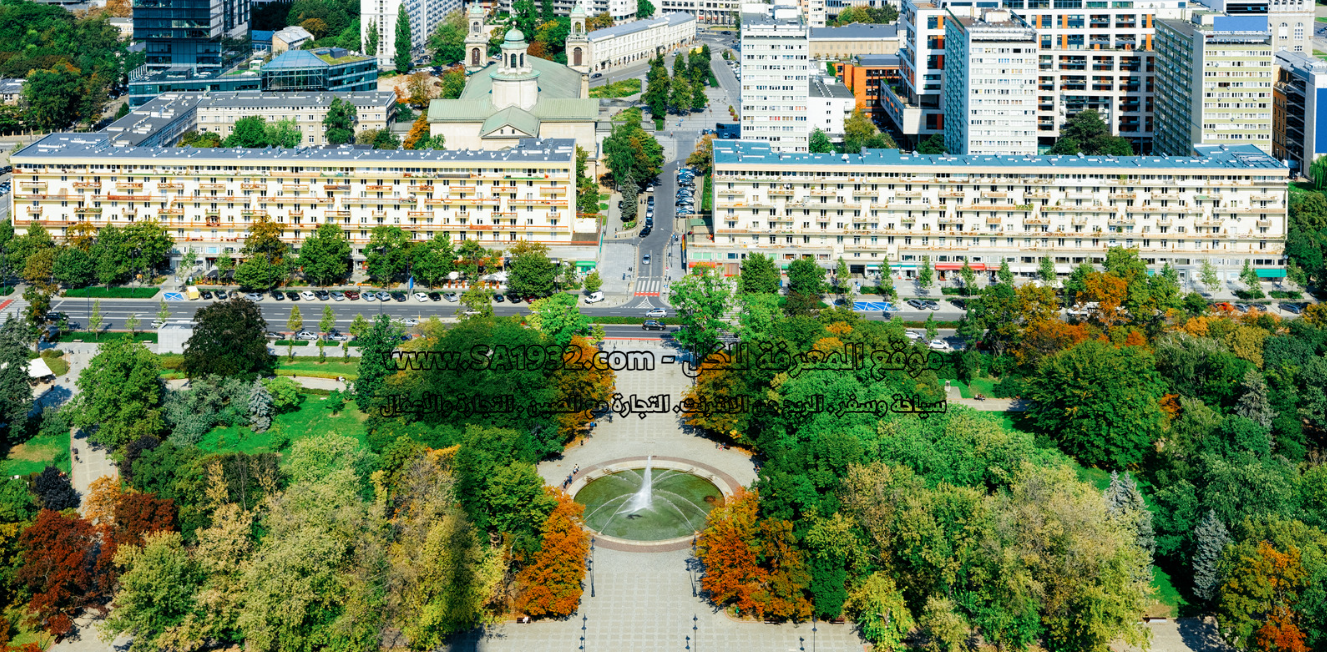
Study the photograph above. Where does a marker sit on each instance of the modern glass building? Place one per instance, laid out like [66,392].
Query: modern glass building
[323,69]
[190,46]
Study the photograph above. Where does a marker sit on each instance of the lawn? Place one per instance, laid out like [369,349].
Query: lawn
[309,366]
[55,360]
[1169,602]
[36,454]
[623,88]
[106,336]
[6,291]
[1321,19]
[99,292]
[311,418]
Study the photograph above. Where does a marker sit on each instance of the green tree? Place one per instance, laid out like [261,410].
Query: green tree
[229,340]
[433,261]
[388,254]
[94,319]
[15,392]
[376,346]
[1208,276]
[593,282]
[1006,275]
[881,612]
[630,200]
[644,9]
[587,190]
[1086,132]
[163,312]
[926,276]
[120,393]
[859,132]
[325,255]
[446,45]
[339,123]
[932,329]
[402,58]
[969,277]
[698,98]
[701,299]
[657,88]
[75,268]
[52,96]
[479,300]
[1249,278]
[250,131]
[629,152]
[806,277]
[934,144]
[843,279]
[1124,503]
[758,275]
[1047,270]
[531,273]
[819,143]
[558,319]
[371,43]
[679,93]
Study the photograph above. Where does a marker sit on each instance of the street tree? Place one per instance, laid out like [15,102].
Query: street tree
[325,255]
[1208,276]
[558,319]
[758,275]
[593,282]
[531,273]
[94,319]
[701,299]
[389,252]
[339,123]
[926,275]
[293,324]
[229,340]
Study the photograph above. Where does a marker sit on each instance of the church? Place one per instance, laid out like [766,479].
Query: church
[519,96]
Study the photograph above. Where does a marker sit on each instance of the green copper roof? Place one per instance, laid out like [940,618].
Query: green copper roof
[515,36]
[555,80]
[559,97]
[511,116]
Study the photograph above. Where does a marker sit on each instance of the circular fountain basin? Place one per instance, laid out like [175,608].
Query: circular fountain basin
[675,506]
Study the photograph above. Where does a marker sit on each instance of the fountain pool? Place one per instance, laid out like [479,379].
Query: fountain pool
[648,504]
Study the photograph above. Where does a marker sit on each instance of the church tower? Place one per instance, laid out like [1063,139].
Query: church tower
[578,41]
[476,41]
[516,82]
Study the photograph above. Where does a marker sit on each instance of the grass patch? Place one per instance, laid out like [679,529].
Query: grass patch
[623,88]
[99,292]
[311,418]
[55,360]
[6,291]
[1168,603]
[305,366]
[658,124]
[707,200]
[1098,478]
[106,336]
[603,206]
[34,455]
[1321,19]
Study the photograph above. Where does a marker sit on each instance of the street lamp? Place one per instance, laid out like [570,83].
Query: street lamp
[813,633]
[591,567]
[694,631]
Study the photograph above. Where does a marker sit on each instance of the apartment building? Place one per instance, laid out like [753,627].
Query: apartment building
[636,41]
[424,17]
[829,104]
[775,74]
[219,112]
[710,12]
[622,11]
[991,85]
[864,76]
[1214,83]
[210,197]
[1226,205]
[1299,120]
[1290,21]
[1092,55]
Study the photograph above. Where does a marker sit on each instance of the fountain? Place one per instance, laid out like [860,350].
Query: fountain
[645,505]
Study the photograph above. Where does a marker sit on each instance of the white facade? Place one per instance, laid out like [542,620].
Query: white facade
[424,15]
[775,75]
[1290,21]
[829,103]
[710,12]
[637,41]
[991,85]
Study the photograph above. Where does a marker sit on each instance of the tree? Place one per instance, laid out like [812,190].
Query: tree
[56,569]
[388,254]
[131,322]
[599,21]
[1249,278]
[260,407]
[969,277]
[52,96]
[325,255]
[54,491]
[478,300]
[157,589]
[926,276]
[1254,404]
[372,46]
[656,88]
[934,144]
[1210,540]
[385,139]
[433,261]
[1085,132]
[75,268]
[630,199]
[842,278]
[558,319]
[882,614]
[759,275]
[679,93]
[932,329]
[587,191]
[446,45]
[402,58]
[1207,274]
[376,346]
[419,132]
[15,392]
[733,574]
[859,132]
[121,394]
[294,324]
[698,98]
[701,299]
[1047,270]
[225,264]
[531,273]
[1125,504]
[1005,275]
[1260,580]
[328,322]
[1101,403]
[94,319]
[339,123]
[644,9]
[805,277]
[551,584]
[819,143]
[702,159]
[229,340]
[593,282]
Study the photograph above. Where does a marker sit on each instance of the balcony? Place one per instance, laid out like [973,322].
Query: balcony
[81,185]
[994,220]
[164,186]
[378,188]
[1124,195]
[327,186]
[780,192]
[1264,223]
[32,185]
[1122,221]
[211,186]
[343,214]
[250,212]
[1037,220]
[820,192]
[34,210]
[123,185]
[261,186]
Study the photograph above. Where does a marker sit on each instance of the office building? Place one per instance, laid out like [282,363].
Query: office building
[829,103]
[1214,83]
[775,75]
[709,12]
[209,198]
[1289,21]
[1227,206]
[190,46]
[853,40]
[990,84]
[1297,112]
[325,69]
[864,76]
[636,41]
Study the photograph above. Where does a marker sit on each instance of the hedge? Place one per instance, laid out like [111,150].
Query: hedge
[106,336]
[99,292]
[671,321]
[6,291]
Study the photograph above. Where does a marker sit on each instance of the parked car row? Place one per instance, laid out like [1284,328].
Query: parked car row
[352,295]
[686,188]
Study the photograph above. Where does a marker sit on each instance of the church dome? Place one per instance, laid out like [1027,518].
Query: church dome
[515,36]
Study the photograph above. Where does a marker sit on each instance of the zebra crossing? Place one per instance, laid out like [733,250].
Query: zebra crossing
[649,287]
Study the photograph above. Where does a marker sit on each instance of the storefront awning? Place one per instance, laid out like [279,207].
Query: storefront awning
[1271,273]
[948,266]
[871,268]
[586,264]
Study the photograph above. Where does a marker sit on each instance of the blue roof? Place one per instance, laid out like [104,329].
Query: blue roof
[1213,157]
[296,59]
[1239,24]
[260,35]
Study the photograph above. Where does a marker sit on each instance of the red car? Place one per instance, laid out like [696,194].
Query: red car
[1223,306]
[352,295]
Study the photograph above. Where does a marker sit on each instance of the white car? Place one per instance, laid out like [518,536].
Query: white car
[369,296]
[470,312]
[308,336]
[657,312]
[407,321]
[595,298]
[422,297]
[914,335]
[307,295]
[939,345]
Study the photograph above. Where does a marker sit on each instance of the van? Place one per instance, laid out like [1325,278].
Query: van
[193,293]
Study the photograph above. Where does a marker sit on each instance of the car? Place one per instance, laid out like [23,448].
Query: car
[938,345]
[647,259]
[370,296]
[917,303]
[278,296]
[1223,306]
[1242,307]
[384,296]
[619,203]
[293,296]
[338,296]
[272,335]
[470,312]
[307,295]
[338,337]
[649,188]
[323,295]
[595,297]
[407,321]
[421,297]
[450,296]
[435,296]
[914,335]
[932,305]
[399,296]
[653,325]
[254,296]
[657,312]
[1292,308]
[645,231]
[307,336]
[596,75]
[205,294]
[352,295]
[514,298]
[499,298]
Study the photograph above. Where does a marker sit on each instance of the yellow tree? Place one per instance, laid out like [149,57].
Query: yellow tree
[417,131]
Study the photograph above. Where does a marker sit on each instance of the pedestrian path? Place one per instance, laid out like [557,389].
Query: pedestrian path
[649,287]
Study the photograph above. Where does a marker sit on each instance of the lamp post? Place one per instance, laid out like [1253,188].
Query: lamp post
[591,567]
[813,633]
[695,631]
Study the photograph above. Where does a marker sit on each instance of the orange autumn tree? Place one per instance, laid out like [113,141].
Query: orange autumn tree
[1256,602]
[729,550]
[551,585]
[56,571]
[582,386]
[1048,337]
[417,131]
[1109,291]
[1280,633]
[783,595]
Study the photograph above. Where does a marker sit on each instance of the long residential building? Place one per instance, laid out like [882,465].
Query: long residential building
[211,197]
[636,41]
[1227,206]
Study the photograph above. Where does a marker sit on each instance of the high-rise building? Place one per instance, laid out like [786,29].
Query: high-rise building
[991,84]
[775,75]
[710,12]
[381,15]
[1289,21]
[189,45]
[1214,83]
[1299,112]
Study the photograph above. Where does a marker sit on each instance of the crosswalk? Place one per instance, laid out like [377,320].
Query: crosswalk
[648,287]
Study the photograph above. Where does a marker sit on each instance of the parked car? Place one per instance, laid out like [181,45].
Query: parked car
[206,294]
[514,298]
[499,298]
[273,335]
[1223,306]
[352,295]
[278,296]
[398,296]
[407,321]
[931,305]
[470,312]
[307,295]
[595,297]
[450,296]
[293,296]
[649,188]
[383,295]
[421,297]
[938,345]
[645,231]
[370,296]
[338,296]
[657,312]
[652,325]
[917,303]
[322,295]
[1292,308]
[1242,307]
[435,296]
[914,335]
[253,296]
[596,75]
[308,336]
[338,337]
[158,323]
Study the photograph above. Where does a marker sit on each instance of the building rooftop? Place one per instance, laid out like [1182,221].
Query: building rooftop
[878,60]
[11,85]
[855,32]
[267,100]
[320,58]
[555,80]
[1301,63]
[83,148]
[1244,157]
[145,121]
[818,88]
[293,33]
[641,25]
